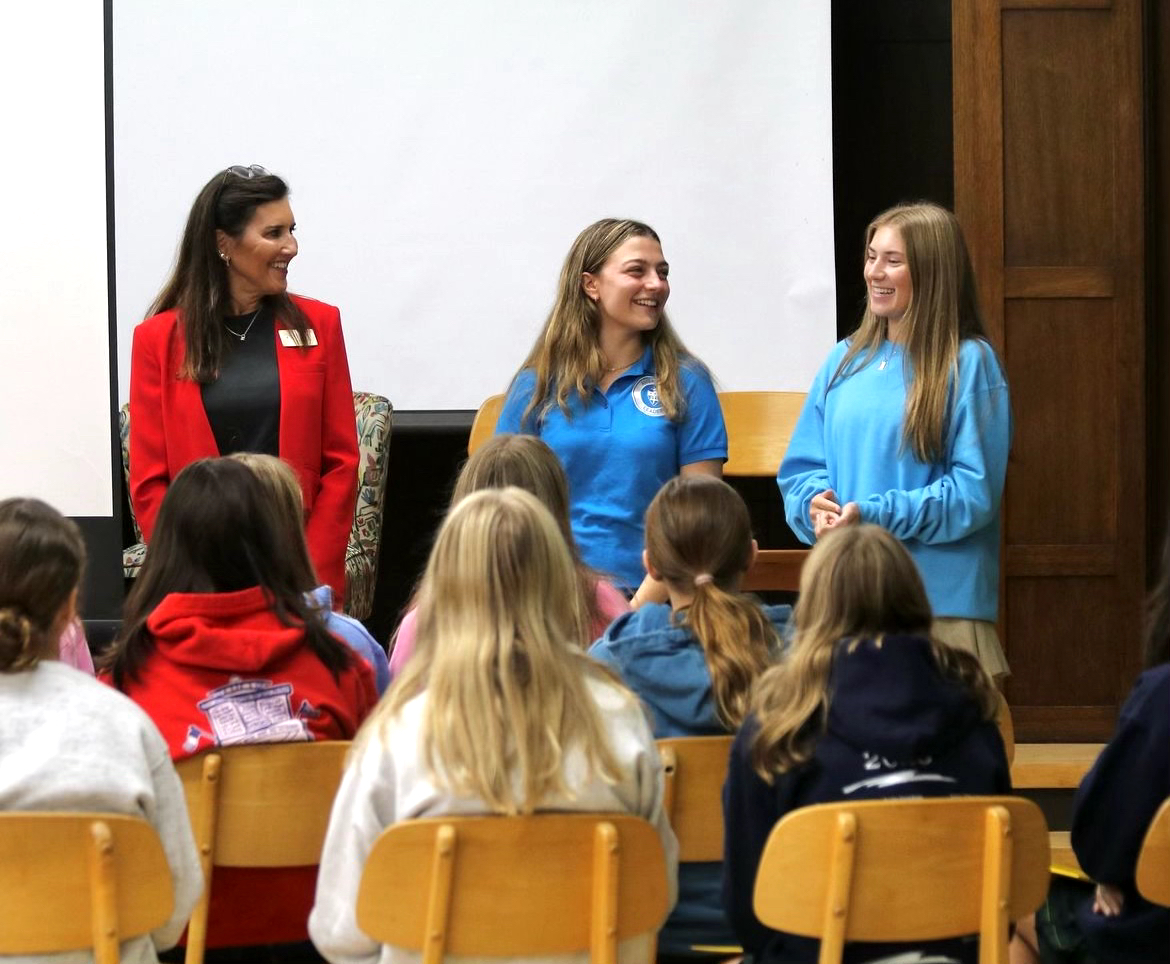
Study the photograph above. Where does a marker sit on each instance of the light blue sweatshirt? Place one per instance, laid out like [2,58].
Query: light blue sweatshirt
[849,439]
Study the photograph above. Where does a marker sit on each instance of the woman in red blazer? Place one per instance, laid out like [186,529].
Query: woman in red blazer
[230,361]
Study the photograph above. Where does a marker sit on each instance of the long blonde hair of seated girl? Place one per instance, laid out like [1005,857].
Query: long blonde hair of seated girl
[498,657]
[858,583]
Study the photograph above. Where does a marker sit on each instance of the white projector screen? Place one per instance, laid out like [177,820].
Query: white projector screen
[54,290]
[442,157]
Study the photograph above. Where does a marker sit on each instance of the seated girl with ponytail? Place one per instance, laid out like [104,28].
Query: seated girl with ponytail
[499,712]
[693,662]
[867,705]
[66,741]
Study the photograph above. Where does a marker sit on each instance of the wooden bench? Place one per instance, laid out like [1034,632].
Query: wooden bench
[1052,766]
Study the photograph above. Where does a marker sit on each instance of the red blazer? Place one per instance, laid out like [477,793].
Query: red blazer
[318,433]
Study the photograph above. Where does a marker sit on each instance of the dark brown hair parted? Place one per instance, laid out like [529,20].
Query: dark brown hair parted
[218,531]
[198,286]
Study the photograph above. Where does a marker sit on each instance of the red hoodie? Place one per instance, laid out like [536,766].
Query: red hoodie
[224,670]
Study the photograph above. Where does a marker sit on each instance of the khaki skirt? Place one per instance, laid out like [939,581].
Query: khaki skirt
[977,637]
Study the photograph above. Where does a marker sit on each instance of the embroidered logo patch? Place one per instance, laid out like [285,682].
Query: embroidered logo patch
[645,394]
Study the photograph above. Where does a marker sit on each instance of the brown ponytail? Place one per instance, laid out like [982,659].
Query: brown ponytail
[41,560]
[699,540]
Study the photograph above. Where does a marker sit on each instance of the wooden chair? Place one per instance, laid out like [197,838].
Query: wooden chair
[502,886]
[1153,867]
[258,806]
[904,870]
[484,426]
[694,769]
[759,427]
[75,881]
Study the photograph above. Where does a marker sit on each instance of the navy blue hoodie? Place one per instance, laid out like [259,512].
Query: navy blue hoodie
[664,664]
[1113,809]
[891,716]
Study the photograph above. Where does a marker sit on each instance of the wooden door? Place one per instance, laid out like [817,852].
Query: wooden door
[1049,186]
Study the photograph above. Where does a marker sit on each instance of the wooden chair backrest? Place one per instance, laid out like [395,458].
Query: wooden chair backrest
[904,870]
[265,805]
[76,881]
[1153,866]
[695,768]
[759,427]
[484,426]
[524,886]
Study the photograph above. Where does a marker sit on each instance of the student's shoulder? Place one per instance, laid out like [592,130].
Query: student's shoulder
[105,708]
[1150,696]
[979,366]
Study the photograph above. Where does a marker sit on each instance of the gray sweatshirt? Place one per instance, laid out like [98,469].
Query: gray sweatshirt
[68,742]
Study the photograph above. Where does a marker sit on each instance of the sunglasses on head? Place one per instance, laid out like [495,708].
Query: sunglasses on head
[247,173]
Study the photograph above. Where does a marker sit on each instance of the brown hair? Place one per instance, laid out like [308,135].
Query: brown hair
[698,528]
[218,531]
[943,311]
[1157,649]
[198,286]
[42,557]
[289,502]
[567,357]
[859,583]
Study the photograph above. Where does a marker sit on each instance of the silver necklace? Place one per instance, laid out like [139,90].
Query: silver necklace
[251,322]
[886,360]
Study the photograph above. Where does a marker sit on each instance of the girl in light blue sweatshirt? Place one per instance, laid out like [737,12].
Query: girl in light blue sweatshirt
[908,425]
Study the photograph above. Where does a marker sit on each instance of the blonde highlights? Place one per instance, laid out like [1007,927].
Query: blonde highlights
[859,583]
[567,356]
[284,491]
[699,541]
[507,694]
[943,311]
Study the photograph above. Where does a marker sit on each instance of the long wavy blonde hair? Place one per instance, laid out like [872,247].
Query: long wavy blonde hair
[567,356]
[699,526]
[859,583]
[943,311]
[498,657]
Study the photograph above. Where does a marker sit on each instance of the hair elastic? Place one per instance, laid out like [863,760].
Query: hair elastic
[703,578]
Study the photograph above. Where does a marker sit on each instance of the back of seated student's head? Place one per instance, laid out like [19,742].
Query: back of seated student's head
[506,683]
[218,531]
[42,557]
[858,583]
[528,463]
[699,542]
[287,499]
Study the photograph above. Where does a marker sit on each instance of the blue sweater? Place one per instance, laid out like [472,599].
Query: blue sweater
[890,714]
[664,664]
[849,439]
[1113,809]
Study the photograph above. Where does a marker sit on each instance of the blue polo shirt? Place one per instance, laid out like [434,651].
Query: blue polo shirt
[618,450]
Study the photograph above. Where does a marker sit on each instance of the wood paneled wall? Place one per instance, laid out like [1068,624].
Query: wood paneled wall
[1050,187]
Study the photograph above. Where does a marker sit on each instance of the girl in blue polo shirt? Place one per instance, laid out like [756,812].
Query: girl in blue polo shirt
[908,425]
[614,393]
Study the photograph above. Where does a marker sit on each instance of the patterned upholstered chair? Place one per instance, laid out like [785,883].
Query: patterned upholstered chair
[375,417]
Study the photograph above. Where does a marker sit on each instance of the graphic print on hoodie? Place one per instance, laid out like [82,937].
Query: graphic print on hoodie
[896,728]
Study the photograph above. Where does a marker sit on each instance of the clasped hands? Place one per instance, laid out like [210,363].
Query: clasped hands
[826,512]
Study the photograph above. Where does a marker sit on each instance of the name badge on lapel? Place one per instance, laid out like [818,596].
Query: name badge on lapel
[292,339]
